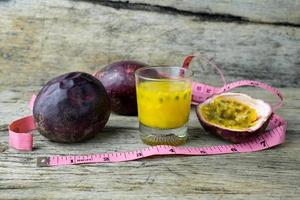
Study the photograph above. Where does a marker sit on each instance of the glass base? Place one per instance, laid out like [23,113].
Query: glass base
[155,136]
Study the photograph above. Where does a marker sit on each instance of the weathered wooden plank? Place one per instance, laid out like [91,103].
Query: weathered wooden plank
[41,39]
[267,11]
[45,38]
[272,174]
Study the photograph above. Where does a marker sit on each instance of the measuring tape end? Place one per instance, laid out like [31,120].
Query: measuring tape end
[43,162]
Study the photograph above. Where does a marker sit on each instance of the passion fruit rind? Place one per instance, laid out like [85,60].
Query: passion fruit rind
[233,136]
[119,81]
[71,108]
[243,135]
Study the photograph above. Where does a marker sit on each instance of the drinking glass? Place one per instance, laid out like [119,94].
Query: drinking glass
[164,101]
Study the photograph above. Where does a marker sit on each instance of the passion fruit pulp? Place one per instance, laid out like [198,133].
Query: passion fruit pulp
[234,116]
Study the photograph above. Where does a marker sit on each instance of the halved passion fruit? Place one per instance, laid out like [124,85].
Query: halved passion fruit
[234,116]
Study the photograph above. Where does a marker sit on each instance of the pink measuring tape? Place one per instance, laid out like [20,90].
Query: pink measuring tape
[21,138]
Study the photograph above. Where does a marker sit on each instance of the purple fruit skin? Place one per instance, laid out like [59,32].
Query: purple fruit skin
[119,81]
[71,108]
[232,136]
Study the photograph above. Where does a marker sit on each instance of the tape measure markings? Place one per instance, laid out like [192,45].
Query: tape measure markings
[269,139]
[20,136]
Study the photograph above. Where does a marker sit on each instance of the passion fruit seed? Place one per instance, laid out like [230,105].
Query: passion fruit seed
[161,100]
[229,113]
[163,105]
[235,117]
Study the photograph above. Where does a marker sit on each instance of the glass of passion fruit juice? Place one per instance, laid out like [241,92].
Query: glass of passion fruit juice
[164,101]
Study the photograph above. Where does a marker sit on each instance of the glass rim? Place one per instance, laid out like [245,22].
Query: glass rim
[137,73]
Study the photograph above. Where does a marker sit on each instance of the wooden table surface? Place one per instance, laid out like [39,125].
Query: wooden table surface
[250,39]
[269,174]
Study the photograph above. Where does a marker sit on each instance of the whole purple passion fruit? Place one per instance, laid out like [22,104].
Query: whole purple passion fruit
[119,82]
[71,108]
[234,116]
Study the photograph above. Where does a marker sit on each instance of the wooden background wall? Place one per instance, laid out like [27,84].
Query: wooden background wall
[252,39]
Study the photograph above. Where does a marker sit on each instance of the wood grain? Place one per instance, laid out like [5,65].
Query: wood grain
[42,39]
[270,174]
[264,11]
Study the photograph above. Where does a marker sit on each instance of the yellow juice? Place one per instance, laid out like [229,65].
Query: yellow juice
[164,104]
